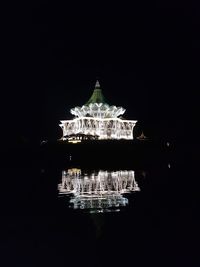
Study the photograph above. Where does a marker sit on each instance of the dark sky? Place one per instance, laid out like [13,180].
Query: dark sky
[146,59]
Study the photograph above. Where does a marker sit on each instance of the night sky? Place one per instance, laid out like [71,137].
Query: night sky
[146,58]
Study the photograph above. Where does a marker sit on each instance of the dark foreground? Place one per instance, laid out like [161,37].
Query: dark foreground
[159,227]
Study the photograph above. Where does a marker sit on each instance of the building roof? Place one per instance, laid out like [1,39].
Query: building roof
[142,136]
[97,96]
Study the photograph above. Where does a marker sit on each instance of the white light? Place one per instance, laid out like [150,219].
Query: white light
[107,128]
[97,190]
[74,141]
[97,121]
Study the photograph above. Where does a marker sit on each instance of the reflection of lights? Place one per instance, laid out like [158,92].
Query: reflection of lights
[98,190]
[73,172]
[74,141]
[99,203]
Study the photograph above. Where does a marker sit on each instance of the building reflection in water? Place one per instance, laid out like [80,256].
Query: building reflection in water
[100,191]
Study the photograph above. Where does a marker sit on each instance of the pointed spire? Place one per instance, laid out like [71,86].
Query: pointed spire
[142,136]
[97,96]
[97,85]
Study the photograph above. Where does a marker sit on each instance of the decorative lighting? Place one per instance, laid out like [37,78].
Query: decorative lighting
[98,191]
[97,120]
[74,141]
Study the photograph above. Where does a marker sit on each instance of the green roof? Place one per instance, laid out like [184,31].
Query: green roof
[97,96]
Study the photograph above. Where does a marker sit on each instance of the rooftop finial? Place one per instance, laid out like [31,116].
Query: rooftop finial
[97,85]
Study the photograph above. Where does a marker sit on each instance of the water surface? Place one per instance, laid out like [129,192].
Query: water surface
[59,214]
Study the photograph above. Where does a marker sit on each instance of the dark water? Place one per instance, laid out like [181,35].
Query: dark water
[53,215]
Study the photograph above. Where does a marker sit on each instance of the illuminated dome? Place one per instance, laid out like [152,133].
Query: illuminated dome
[97,118]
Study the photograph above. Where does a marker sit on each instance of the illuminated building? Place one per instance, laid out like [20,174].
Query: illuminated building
[98,191]
[97,120]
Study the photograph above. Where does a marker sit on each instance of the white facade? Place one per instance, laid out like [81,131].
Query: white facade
[97,118]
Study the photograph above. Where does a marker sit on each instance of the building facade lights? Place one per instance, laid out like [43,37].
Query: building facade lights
[97,120]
